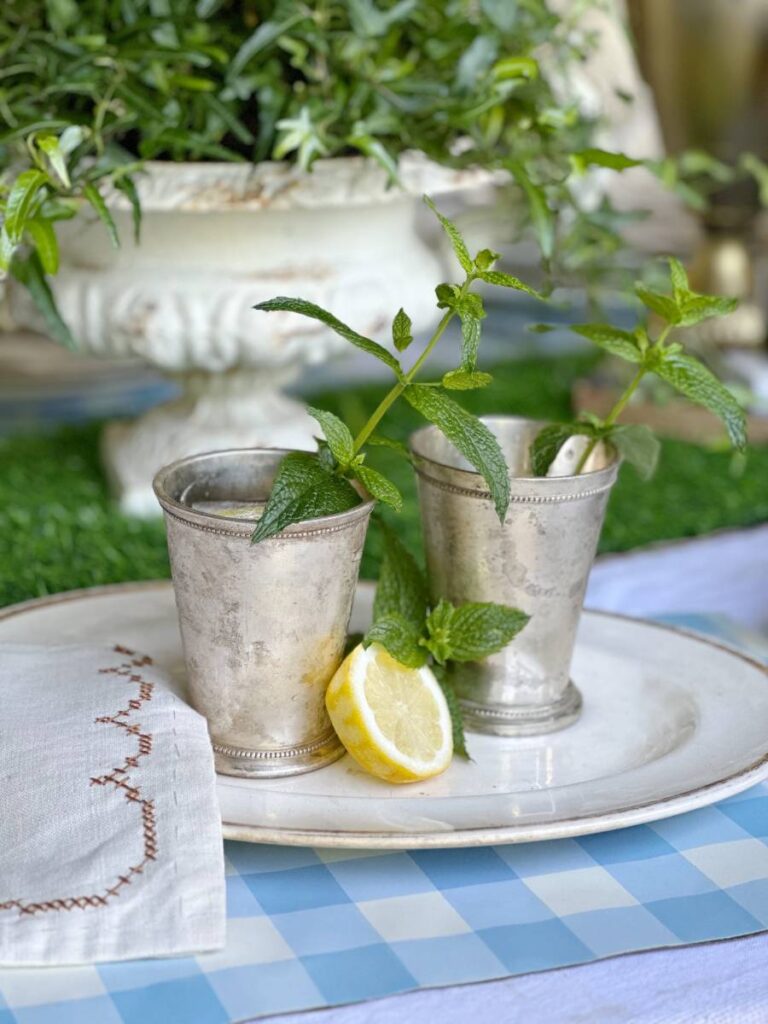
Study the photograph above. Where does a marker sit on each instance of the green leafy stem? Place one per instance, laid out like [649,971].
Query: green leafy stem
[661,356]
[63,177]
[312,484]
[416,634]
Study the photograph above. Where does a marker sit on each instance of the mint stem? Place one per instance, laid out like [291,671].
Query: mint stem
[392,396]
[621,402]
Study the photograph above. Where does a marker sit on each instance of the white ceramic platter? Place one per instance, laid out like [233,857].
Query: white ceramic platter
[671,722]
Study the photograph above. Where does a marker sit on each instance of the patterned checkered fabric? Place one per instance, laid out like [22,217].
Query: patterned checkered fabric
[310,928]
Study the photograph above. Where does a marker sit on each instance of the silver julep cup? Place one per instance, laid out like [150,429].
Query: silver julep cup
[263,625]
[538,560]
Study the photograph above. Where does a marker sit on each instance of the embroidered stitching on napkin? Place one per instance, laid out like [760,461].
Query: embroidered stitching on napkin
[112,865]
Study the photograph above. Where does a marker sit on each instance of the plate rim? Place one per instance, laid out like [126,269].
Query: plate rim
[651,810]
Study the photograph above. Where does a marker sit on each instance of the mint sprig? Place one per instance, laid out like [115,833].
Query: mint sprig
[664,358]
[304,488]
[343,455]
[415,634]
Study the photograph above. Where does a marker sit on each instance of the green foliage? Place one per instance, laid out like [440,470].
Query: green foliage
[689,376]
[215,78]
[309,309]
[29,270]
[471,631]
[469,435]
[611,339]
[401,589]
[401,331]
[400,637]
[304,488]
[548,442]
[454,707]
[92,89]
[59,183]
[466,380]
[337,435]
[459,245]
[412,633]
[638,445]
[343,455]
[378,486]
[89,88]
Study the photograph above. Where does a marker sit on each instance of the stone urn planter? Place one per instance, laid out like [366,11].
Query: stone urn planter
[216,239]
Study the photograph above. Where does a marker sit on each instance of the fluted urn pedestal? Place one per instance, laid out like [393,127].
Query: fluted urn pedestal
[216,239]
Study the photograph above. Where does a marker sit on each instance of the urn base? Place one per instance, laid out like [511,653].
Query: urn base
[523,719]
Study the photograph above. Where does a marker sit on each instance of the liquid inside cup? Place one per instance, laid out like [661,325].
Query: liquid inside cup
[250,510]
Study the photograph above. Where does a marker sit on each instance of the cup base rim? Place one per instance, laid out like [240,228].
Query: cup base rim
[523,719]
[245,763]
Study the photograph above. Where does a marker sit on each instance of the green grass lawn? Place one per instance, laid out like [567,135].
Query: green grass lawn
[59,529]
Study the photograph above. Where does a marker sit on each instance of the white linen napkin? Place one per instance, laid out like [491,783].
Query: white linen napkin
[110,835]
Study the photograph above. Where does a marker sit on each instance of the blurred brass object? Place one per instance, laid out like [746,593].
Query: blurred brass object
[707,64]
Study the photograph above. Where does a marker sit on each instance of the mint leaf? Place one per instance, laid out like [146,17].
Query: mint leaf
[695,308]
[380,441]
[486,258]
[401,589]
[548,442]
[448,295]
[478,629]
[285,304]
[458,243]
[638,445]
[402,335]
[663,305]
[470,340]
[378,485]
[454,707]
[337,434]
[471,631]
[303,489]
[503,280]
[94,197]
[438,641]
[679,278]
[692,379]
[471,313]
[611,339]
[398,636]
[466,380]
[471,437]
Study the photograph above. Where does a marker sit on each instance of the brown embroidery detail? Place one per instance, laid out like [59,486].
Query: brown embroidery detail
[120,779]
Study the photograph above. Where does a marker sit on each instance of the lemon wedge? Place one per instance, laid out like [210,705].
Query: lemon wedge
[393,720]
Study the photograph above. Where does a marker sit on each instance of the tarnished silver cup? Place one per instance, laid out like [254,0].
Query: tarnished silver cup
[263,625]
[538,560]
